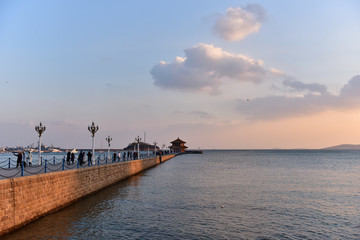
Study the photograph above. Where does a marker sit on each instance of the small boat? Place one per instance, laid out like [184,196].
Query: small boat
[74,151]
[55,150]
[37,150]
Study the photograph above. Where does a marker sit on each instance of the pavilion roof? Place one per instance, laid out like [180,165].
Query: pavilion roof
[178,147]
[178,140]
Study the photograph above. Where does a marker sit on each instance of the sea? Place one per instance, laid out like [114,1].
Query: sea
[221,194]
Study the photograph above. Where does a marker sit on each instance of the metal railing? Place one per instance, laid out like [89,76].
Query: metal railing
[10,169]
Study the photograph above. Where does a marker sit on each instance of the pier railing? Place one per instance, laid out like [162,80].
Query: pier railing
[9,168]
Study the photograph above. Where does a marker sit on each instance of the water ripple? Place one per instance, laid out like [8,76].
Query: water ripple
[221,195]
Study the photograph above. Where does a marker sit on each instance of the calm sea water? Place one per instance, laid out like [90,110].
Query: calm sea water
[275,194]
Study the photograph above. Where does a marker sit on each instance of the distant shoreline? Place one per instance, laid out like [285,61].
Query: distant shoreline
[344,147]
[337,147]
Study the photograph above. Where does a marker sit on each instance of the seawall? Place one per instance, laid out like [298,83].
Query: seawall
[25,199]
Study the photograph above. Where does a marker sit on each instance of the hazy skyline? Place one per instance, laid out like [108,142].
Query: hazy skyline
[217,74]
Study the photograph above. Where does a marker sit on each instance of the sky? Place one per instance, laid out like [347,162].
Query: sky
[217,74]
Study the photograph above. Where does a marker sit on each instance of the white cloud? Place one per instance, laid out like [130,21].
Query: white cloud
[316,101]
[240,22]
[205,68]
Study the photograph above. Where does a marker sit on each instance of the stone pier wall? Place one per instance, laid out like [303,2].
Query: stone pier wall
[25,199]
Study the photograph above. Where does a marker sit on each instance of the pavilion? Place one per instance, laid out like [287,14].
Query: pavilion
[178,145]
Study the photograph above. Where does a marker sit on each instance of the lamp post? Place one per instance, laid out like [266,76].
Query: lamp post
[40,129]
[138,139]
[93,129]
[108,139]
[155,142]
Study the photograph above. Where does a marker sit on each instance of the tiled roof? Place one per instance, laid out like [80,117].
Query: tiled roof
[178,140]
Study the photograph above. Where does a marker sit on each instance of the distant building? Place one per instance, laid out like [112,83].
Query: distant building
[142,147]
[178,145]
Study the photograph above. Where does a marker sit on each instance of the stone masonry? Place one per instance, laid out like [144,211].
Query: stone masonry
[25,199]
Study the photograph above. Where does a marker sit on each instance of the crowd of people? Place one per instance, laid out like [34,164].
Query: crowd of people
[26,158]
[23,159]
[116,157]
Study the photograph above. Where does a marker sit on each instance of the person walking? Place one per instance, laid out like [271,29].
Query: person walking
[30,158]
[68,157]
[24,157]
[19,158]
[114,157]
[72,158]
[81,157]
[89,155]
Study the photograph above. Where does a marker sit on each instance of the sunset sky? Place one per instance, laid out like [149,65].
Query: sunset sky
[218,74]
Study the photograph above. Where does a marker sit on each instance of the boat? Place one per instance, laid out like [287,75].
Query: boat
[55,150]
[74,151]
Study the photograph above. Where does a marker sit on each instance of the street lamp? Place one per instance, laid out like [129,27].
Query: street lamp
[108,139]
[138,139]
[40,129]
[155,142]
[93,129]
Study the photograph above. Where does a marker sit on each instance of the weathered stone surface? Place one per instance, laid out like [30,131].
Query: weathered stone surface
[25,199]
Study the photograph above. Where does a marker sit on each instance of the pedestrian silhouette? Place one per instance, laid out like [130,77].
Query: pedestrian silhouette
[89,155]
[72,158]
[19,159]
[68,157]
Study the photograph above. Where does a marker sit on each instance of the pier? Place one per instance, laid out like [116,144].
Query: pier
[25,199]
[8,167]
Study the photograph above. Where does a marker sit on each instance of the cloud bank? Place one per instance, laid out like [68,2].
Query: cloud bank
[240,22]
[298,86]
[205,68]
[316,100]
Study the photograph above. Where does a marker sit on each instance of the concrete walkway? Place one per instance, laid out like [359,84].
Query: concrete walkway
[14,172]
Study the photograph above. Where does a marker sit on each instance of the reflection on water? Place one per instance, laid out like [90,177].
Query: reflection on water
[221,195]
[78,219]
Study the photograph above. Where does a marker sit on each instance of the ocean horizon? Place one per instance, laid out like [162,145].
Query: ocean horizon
[221,194]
